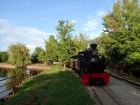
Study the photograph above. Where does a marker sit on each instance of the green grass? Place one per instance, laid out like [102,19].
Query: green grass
[53,87]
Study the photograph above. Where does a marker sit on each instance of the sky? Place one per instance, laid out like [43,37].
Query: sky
[33,21]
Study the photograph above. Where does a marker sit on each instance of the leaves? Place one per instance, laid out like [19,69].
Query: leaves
[65,47]
[18,55]
[123,27]
[35,58]
[51,46]
[3,56]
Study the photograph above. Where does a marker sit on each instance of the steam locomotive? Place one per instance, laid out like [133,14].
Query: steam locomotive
[91,67]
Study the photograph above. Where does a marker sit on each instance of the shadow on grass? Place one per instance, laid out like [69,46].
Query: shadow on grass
[53,87]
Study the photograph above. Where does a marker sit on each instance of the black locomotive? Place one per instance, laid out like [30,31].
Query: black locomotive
[91,66]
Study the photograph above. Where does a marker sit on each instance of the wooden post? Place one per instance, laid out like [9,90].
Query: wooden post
[64,66]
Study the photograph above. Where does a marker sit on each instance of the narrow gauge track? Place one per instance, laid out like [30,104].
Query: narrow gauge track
[105,96]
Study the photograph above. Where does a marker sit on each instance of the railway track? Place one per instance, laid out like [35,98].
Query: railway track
[101,95]
[125,92]
[106,96]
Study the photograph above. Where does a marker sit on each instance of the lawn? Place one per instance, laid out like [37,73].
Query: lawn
[52,87]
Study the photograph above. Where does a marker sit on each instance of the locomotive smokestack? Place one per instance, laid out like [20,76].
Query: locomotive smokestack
[93,46]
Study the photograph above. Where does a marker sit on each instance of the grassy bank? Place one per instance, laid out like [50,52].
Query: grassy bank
[53,87]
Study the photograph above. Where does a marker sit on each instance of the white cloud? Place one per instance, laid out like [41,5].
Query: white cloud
[94,21]
[95,34]
[90,25]
[100,13]
[8,40]
[9,33]
[73,21]
[93,26]
[31,46]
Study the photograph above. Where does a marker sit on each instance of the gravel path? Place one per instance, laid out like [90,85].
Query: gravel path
[123,92]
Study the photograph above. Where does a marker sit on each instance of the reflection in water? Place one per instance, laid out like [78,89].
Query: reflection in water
[14,78]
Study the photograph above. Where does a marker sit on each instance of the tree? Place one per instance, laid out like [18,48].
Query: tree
[18,55]
[3,56]
[51,46]
[80,42]
[41,57]
[35,55]
[66,46]
[123,26]
[105,47]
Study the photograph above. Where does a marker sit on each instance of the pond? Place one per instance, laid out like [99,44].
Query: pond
[9,78]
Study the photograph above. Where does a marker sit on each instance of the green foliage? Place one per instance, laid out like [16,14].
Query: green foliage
[105,46]
[122,26]
[41,56]
[35,55]
[3,56]
[80,42]
[51,46]
[133,58]
[18,55]
[65,47]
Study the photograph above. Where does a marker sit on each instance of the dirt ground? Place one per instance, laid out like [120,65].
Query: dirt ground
[5,65]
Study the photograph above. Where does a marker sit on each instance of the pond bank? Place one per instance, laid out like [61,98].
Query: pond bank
[5,65]
[30,66]
[38,67]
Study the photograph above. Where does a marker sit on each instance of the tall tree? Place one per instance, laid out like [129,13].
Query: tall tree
[123,26]
[51,48]
[66,47]
[18,55]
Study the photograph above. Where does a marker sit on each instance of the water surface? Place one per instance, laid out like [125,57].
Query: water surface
[11,77]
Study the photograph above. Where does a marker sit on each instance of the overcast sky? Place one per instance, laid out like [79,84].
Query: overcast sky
[31,21]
